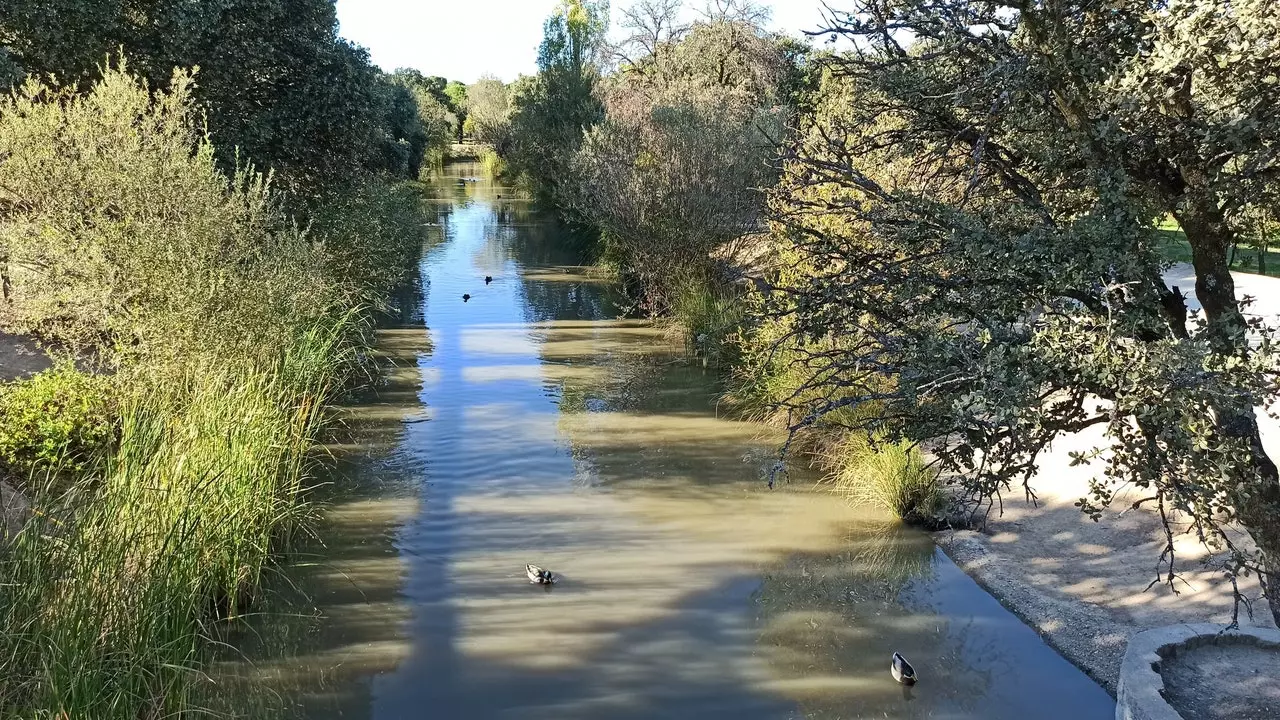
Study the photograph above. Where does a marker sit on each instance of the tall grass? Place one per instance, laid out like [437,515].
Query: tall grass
[890,475]
[707,315]
[228,328]
[493,164]
[107,594]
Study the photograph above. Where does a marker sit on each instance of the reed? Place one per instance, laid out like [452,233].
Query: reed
[890,475]
[108,594]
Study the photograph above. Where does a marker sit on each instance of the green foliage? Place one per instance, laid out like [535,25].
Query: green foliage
[230,331]
[888,475]
[456,92]
[127,235]
[488,112]
[437,120]
[493,164]
[708,314]
[276,82]
[104,616]
[369,235]
[551,111]
[672,174]
[58,420]
[977,211]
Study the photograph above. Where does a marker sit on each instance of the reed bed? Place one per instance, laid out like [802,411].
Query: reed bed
[108,594]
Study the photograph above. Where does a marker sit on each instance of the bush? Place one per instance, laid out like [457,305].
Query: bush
[230,331]
[129,237]
[888,475]
[59,420]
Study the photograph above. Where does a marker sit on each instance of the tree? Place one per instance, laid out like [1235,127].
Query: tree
[550,115]
[277,83]
[488,112]
[745,12]
[672,175]
[975,198]
[650,24]
[457,94]
[438,124]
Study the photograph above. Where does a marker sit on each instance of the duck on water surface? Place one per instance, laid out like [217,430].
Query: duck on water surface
[539,576]
[902,670]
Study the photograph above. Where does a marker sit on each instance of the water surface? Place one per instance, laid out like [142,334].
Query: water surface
[530,424]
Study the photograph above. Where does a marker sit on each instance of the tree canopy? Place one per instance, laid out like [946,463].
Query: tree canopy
[276,82]
[552,111]
[974,201]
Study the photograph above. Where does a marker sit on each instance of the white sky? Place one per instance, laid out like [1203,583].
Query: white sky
[464,39]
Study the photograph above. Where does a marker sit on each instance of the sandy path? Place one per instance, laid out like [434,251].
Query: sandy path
[1084,585]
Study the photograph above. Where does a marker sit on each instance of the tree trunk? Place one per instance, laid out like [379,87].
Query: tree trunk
[1210,238]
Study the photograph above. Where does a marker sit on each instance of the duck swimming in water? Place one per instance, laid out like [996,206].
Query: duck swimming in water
[466,297]
[538,576]
[902,670]
[488,279]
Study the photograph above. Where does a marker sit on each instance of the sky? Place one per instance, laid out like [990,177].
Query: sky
[464,39]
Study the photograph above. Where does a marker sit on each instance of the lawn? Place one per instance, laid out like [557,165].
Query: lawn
[1243,258]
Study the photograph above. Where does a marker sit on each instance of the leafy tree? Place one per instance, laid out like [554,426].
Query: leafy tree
[672,174]
[975,197]
[488,112]
[551,114]
[277,83]
[436,124]
[456,92]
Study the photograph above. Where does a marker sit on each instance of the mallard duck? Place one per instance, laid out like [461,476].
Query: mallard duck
[902,670]
[538,576]
[466,297]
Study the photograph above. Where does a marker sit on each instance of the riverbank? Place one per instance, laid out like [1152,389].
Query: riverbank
[146,494]
[1086,587]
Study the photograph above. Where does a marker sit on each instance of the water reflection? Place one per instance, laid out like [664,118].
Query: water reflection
[530,425]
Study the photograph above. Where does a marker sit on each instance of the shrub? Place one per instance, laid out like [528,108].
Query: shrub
[889,475]
[61,419]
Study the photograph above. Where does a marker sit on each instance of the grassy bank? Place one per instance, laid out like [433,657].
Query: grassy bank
[160,490]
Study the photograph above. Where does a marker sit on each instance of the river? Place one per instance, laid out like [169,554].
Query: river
[530,424]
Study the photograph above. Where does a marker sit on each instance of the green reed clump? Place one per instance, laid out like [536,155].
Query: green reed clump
[890,475]
[708,315]
[492,163]
[107,592]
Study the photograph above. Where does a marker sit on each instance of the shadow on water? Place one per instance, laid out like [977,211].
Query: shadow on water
[530,425]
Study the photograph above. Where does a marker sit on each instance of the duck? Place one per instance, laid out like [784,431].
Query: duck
[466,297]
[488,279]
[902,670]
[538,576]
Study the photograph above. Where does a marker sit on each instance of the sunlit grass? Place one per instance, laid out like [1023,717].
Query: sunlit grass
[1174,247]
[107,593]
[888,475]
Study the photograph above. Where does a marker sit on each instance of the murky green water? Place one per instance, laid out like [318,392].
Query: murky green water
[530,425]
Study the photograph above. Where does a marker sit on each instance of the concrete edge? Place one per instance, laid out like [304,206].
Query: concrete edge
[1139,692]
[1055,620]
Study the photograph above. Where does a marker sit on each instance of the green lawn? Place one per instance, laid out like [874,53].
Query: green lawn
[1244,259]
